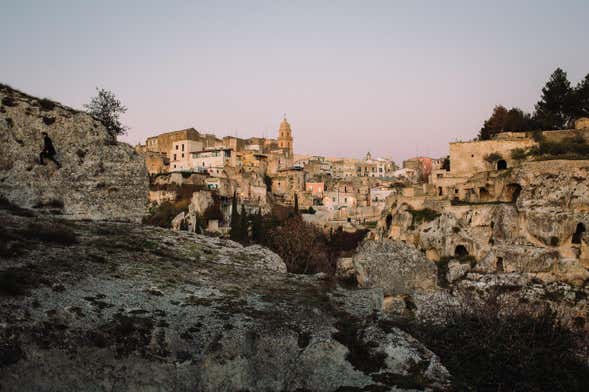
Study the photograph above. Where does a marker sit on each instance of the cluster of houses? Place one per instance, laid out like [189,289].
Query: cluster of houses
[262,171]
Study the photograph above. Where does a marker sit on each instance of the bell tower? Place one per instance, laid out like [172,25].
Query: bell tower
[285,138]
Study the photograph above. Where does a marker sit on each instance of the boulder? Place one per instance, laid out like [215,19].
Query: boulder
[394,266]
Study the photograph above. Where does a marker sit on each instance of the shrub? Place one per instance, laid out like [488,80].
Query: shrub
[493,157]
[48,120]
[518,154]
[49,232]
[569,148]
[422,216]
[9,101]
[46,104]
[163,214]
[491,346]
[302,246]
[9,122]
[310,210]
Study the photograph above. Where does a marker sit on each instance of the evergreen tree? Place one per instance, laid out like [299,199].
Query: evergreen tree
[243,226]
[235,224]
[494,124]
[296,204]
[581,98]
[258,228]
[555,110]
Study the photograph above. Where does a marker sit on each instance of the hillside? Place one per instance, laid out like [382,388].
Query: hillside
[100,178]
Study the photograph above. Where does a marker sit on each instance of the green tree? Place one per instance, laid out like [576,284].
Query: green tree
[581,98]
[235,224]
[243,226]
[555,110]
[517,120]
[494,124]
[258,231]
[107,108]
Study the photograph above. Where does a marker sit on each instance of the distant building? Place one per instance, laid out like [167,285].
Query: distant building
[212,161]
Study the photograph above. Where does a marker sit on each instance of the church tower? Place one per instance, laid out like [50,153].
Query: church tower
[285,138]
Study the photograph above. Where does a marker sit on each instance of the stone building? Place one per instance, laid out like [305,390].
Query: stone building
[287,182]
[285,141]
[378,167]
[180,154]
[212,161]
[163,142]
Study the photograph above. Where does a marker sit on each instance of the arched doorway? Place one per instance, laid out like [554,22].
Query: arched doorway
[578,234]
[501,164]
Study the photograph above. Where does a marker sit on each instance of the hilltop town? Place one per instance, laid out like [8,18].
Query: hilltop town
[352,258]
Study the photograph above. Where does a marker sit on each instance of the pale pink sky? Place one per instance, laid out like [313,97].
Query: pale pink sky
[398,79]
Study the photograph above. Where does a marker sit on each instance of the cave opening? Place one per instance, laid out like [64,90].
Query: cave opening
[578,235]
[388,221]
[499,266]
[501,164]
[460,251]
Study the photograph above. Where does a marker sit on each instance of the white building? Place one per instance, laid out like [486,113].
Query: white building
[180,154]
[212,161]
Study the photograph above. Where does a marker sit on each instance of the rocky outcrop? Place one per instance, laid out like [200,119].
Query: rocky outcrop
[117,306]
[99,178]
[393,266]
[534,229]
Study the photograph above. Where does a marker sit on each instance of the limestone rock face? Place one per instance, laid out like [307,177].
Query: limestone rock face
[199,202]
[100,178]
[118,306]
[535,229]
[393,266]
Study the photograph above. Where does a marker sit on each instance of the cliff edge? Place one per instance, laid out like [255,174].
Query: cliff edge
[100,178]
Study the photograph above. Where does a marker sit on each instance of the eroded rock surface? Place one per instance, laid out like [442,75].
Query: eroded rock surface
[100,179]
[393,266]
[117,306]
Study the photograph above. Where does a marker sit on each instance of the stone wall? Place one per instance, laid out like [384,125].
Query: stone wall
[468,158]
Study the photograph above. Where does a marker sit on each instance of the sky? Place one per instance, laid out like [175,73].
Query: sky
[396,78]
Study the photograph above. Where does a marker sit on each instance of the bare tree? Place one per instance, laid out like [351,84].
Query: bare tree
[106,107]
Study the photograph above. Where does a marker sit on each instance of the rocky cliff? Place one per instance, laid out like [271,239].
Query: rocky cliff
[99,178]
[117,306]
[527,236]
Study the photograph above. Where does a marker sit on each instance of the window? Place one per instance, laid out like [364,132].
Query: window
[174,158]
[182,149]
[182,155]
[176,146]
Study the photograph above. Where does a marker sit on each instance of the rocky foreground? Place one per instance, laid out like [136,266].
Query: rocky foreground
[87,306]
